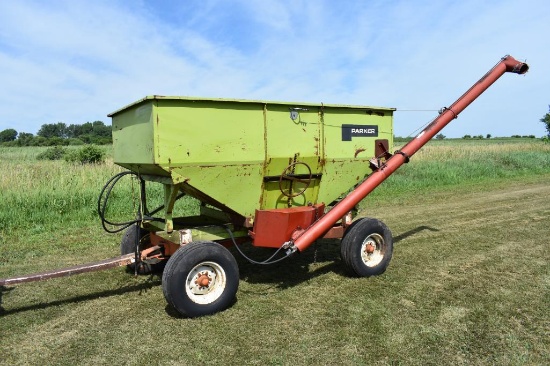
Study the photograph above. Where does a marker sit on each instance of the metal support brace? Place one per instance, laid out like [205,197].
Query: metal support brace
[170,195]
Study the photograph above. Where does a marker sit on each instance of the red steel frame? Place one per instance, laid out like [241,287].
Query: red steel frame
[324,224]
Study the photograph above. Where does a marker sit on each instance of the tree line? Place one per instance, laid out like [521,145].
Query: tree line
[59,134]
[468,137]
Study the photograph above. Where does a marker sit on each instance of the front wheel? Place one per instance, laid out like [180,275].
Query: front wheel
[367,247]
[201,278]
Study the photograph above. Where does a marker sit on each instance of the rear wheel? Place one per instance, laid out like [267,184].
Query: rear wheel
[128,245]
[201,278]
[367,247]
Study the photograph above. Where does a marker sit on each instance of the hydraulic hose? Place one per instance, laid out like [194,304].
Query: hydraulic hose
[264,262]
[104,198]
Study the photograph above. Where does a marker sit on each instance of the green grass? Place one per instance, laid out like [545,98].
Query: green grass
[469,282]
[448,163]
[57,194]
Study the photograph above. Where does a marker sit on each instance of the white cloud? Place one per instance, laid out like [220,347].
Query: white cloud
[75,61]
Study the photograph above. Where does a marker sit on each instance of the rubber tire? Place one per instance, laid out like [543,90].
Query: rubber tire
[183,261]
[355,236]
[128,244]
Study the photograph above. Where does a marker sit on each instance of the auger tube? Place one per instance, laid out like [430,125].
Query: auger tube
[323,224]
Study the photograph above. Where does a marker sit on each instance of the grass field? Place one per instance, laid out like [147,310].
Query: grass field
[469,282]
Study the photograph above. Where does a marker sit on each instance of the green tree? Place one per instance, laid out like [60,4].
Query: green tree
[86,129]
[24,139]
[546,121]
[73,131]
[39,141]
[99,129]
[58,129]
[91,132]
[8,135]
[440,136]
[57,141]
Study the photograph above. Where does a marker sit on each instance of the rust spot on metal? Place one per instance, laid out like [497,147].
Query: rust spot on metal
[150,252]
[370,112]
[381,148]
[358,151]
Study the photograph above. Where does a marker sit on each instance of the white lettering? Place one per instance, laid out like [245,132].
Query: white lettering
[363,130]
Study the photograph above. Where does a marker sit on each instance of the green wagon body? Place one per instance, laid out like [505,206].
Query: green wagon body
[232,153]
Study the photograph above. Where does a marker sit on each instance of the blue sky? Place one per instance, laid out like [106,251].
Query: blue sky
[76,61]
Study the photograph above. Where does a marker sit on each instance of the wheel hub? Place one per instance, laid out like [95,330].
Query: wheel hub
[203,280]
[370,248]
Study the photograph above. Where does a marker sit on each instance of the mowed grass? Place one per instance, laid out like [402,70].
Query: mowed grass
[469,282]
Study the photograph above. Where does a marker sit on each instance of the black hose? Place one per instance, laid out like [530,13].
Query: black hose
[265,262]
[102,204]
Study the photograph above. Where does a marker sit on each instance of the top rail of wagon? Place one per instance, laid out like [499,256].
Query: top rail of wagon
[249,101]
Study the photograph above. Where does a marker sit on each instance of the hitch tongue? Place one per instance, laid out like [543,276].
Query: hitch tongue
[89,267]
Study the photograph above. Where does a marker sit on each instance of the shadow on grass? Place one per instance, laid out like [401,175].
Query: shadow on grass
[321,258]
[412,232]
[172,312]
[3,290]
[153,281]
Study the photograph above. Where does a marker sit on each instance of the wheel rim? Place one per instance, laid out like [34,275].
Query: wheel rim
[205,283]
[372,250]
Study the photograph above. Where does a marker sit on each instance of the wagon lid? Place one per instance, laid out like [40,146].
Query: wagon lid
[292,104]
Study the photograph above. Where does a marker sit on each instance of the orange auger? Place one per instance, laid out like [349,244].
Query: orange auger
[323,224]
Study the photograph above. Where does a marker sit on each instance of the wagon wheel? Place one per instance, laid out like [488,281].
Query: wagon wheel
[128,245]
[201,278]
[367,247]
[288,174]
